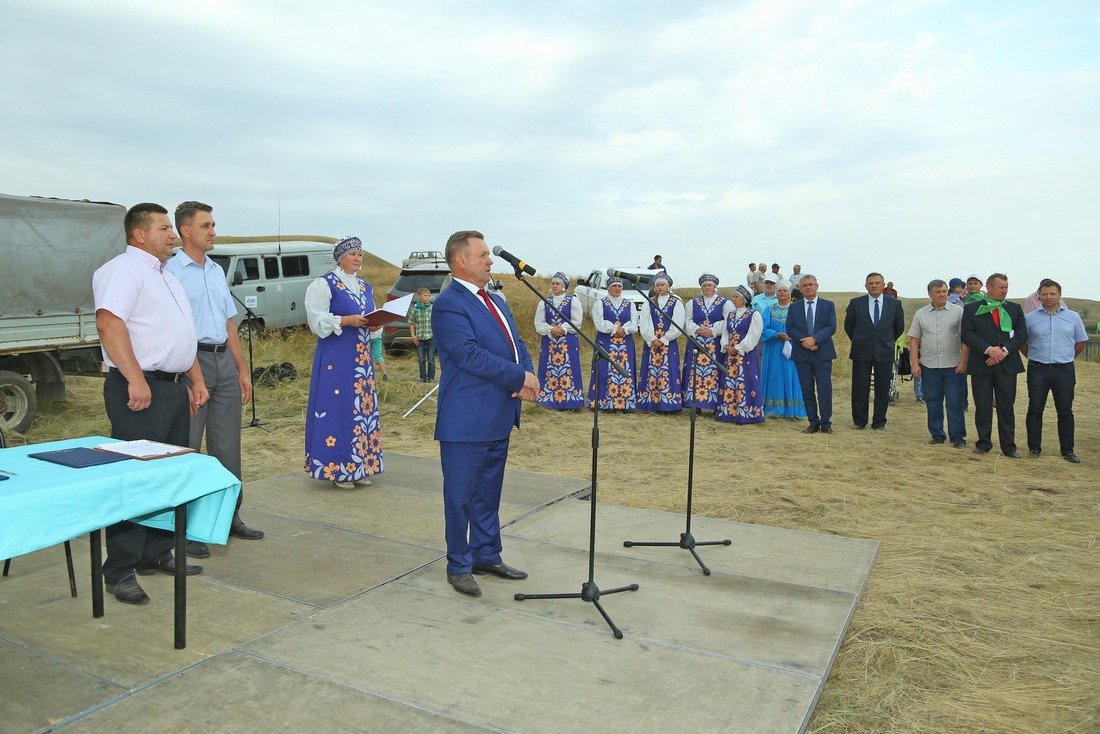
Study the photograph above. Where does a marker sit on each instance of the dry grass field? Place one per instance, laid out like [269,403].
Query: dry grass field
[983,611]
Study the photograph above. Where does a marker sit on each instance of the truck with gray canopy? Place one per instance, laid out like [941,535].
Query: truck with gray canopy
[49,249]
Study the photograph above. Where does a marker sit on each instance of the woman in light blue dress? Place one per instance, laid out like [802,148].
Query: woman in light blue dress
[782,391]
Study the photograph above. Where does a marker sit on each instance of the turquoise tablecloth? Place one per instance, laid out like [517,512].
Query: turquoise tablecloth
[45,504]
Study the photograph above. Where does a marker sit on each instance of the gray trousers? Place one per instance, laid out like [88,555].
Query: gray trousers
[220,418]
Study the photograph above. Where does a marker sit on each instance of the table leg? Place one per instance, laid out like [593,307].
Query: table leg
[95,538]
[181,577]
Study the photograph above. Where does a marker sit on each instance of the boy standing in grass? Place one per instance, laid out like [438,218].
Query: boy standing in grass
[420,326]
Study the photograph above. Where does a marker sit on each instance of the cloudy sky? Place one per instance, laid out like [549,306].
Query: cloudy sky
[919,138]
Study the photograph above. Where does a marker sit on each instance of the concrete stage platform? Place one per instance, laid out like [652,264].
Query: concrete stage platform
[341,620]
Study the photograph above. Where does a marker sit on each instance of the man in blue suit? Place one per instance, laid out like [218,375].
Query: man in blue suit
[811,323]
[873,322]
[486,372]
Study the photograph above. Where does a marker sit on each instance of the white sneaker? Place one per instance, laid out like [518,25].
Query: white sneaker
[364,482]
[343,485]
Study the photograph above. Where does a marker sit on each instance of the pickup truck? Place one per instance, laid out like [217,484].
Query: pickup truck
[424,257]
[594,287]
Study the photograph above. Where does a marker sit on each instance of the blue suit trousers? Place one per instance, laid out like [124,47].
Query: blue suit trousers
[473,475]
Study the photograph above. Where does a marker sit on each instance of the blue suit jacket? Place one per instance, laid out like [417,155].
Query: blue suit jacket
[824,328]
[872,343]
[479,371]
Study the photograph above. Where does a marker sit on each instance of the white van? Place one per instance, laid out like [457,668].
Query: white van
[271,279]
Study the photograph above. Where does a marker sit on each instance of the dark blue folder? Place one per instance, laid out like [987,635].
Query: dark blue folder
[79,457]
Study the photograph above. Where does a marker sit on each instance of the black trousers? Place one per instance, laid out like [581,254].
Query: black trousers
[1058,380]
[167,419]
[1002,385]
[861,391]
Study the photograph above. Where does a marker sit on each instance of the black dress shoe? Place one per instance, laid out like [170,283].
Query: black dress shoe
[1071,458]
[503,570]
[168,567]
[464,583]
[195,549]
[937,441]
[859,428]
[826,429]
[128,591]
[878,428]
[960,444]
[811,429]
[1034,453]
[980,450]
[241,530]
[1013,454]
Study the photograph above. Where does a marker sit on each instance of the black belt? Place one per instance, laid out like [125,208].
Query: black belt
[159,375]
[215,348]
[1047,364]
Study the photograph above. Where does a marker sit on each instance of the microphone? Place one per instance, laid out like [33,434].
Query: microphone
[628,277]
[518,264]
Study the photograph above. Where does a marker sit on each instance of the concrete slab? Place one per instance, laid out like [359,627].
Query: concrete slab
[130,645]
[792,556]
[235,694]
[504,670]
[39,692]
[404,503]
[312,563]
[341,620]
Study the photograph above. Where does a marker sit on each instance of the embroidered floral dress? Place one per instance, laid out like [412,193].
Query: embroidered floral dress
[561,386]
[607,389]
[707,377]
[659,388]
[742,398]
[343,436]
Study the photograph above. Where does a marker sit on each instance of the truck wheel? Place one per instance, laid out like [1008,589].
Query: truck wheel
[243,330]
[18,402]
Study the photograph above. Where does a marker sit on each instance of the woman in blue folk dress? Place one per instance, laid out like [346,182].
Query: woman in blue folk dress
[742,398]
[561,386]
[343,437]
[659,389]
[778,376]
[706,321]
[613,317]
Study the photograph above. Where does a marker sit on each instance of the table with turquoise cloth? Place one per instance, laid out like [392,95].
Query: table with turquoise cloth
[44,504]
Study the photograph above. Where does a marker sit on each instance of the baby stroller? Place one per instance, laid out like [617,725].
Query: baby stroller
[902,370]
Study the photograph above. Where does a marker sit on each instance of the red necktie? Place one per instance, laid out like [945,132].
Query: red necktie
[996,317]
[489,305]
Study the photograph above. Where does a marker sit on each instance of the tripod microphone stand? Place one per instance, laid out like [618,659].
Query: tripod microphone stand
[254,319]
[589,592]
[687,540]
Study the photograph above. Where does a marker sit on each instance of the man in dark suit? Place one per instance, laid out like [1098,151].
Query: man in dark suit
[994,330]
[873,322]
[811,324]
[486,371]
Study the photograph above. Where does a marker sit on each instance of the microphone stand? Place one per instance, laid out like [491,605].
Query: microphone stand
[589,592]
[255,423]
[687,540]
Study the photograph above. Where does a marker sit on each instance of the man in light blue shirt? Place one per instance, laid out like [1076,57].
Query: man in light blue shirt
[1055,336]
[219,352]
[762,302]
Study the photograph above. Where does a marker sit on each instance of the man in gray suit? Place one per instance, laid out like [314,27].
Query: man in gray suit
[873,322]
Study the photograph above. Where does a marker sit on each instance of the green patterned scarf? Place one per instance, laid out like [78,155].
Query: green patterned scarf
[989,306]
